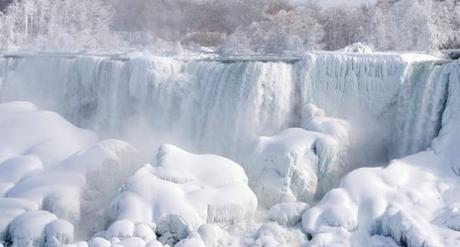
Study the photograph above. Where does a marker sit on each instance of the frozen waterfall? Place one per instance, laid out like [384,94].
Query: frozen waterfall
[217,106]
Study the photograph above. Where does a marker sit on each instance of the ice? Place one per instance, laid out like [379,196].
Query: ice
[37,133]
[194,240]
[181,191]
[50,170]
[413,200]
[145,232]
[99,242]
[12,208]
[213,235]
[274,235]
[299,164]
[29,228]
[296,125]
[358,47]
[288,214]
[58,232]
[220,106]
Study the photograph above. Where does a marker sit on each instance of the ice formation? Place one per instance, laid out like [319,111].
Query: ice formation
[220,106]
[414,200]
[182,191]
[54,176]
[56,189]
[299,164]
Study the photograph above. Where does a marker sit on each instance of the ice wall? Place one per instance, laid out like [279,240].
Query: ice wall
[413,200]
[219,106]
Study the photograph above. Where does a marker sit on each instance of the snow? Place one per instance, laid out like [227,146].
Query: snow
[288,214]
[181,192]
[299,164]
[357,47]
[219,106]
[296,127]
[412,200]
[49,164]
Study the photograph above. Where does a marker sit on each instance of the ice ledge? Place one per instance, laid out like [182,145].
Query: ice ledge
[125,56]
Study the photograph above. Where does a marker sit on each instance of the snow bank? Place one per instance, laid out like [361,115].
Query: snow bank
[299,164]
[183,191]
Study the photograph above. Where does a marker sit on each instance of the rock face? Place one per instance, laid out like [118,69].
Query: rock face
[183,191]
[298,164]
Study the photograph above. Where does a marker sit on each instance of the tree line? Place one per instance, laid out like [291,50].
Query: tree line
[237,26]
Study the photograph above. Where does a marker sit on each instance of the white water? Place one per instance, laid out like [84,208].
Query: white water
[218,107]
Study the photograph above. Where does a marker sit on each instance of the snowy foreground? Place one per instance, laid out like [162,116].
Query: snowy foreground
[329,149]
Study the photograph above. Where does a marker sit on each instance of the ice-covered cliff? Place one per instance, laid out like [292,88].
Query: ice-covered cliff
[378,107]
[219,105]
[413,200]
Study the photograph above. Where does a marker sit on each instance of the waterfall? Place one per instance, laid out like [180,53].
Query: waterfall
[213,106]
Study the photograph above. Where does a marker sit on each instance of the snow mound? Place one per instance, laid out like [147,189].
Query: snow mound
[299,164]
[38,133]
[54,176]
[183,191]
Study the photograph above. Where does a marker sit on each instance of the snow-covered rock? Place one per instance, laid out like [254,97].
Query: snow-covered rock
[299,164]
[288,214]
[194,240]
[183,191]
[212,235]
[51,165]
[28,229]
[274,235]
[413,200]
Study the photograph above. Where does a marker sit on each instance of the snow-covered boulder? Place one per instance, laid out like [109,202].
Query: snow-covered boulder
[213,236]
[47,163]
[78,188]
[28,230]
[193,240]
[407,201]
[298,164]
[288,214]
[10,209]
[58,232]
[274,235]
[183,191]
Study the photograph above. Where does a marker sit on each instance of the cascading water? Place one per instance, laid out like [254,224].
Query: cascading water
[421,102]
[218,107]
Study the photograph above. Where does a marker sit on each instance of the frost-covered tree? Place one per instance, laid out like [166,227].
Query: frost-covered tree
[61,24]
[416,25]
[285,30]
[344,26]
[236,26]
